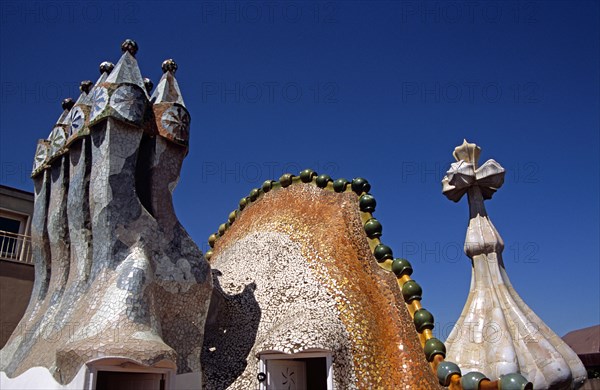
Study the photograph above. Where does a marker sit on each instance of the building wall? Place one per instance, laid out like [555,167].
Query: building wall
[16,279]
[15,203]
[16,282]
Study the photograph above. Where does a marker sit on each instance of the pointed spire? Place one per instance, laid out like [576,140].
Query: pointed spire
[168,90]
[58,136]
[127,70]
[101,79]
[106,68]
[78,114]
[172,118]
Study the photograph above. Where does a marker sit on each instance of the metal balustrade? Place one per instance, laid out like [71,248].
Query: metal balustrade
[15,247]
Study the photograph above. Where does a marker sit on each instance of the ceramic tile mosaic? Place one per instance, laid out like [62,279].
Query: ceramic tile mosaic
[116,273]
[301,269]
[295,273]
[497,333]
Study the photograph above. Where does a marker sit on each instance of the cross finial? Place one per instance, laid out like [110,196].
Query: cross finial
[467,152]
[464,174]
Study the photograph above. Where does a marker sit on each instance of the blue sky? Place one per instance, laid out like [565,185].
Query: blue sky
[382,90]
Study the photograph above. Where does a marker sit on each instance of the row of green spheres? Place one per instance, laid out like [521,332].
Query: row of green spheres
[472,380]
[411,290]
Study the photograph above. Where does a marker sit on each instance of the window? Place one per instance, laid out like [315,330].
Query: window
[10,225]
[14,244]
[9,239]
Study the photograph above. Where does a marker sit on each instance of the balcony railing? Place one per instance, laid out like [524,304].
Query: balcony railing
[15,247]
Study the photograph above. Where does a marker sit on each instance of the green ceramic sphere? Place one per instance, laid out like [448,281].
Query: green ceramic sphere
[373,228]
[434,347]
[471,380]
[307,175]
[243,203]
[423,319]
[223,228]
[322,180]
[445,370]
[339,185]
[402,267]
[267,185]
[286,179]
[232,216]
[382,253]
[411,291]
[208,254]
[367,203]
[254,194]
[360,185]
[514,382]
[212,239]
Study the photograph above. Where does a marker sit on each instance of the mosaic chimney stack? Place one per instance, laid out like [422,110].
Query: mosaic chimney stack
[497,333]
[115,271]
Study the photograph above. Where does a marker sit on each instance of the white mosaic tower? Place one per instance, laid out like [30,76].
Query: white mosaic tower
[497,333]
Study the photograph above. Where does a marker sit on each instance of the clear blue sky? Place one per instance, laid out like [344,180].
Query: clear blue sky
[383,90]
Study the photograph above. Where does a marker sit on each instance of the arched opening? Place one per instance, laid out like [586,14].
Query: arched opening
[299,371]
[124,374]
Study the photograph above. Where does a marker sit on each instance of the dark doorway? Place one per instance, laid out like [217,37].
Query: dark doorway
[316,373]
[114,380]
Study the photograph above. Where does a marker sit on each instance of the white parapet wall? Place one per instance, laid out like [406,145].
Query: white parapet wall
[39,378]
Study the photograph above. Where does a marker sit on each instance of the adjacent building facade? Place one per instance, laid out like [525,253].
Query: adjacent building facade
[16,266]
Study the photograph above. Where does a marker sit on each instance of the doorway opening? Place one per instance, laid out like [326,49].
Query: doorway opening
[119,380]
[301,371]
[115,373]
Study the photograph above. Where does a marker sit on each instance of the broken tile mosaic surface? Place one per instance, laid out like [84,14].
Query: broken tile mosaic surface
[99,101]
[312,283]
[115,270]
[117,275]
